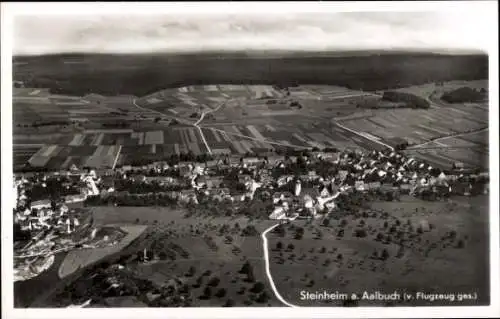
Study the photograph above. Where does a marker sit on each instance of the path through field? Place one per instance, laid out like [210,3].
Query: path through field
[436,140]
[363,136]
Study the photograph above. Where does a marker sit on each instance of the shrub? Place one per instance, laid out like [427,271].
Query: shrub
[291,247]
[326,222]
[279,246]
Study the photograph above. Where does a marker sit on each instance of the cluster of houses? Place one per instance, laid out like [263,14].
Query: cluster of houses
[380,172]
[46,219]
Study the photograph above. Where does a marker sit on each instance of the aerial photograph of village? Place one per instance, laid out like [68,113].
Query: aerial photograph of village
[243,166]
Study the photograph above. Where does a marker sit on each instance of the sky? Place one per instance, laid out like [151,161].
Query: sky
[42,34]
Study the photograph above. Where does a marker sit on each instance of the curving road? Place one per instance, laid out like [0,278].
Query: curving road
[201,119]
[265,247]
[268,271]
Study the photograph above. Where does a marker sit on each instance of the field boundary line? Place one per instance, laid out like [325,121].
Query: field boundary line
[436,140]
[364,136]
[117,156]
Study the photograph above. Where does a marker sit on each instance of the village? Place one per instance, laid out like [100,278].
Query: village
[308,184]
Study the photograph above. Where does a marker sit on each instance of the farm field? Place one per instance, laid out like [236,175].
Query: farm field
[247,138]
[445,157]
[419,126]
[100,148]
[254,118]
[445,244]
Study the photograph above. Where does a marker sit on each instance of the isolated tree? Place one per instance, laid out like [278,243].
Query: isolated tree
[228,303]
[361,233]
[339,257]
[245,268]
[452,234]
[207,292]
[343,223]
[220,293]
[263,297]
[385,254]
[214,282]
[291,246]
[322,250]
[241,291]
[191,271]
[257,287]
[250,276]
[279,246]
[326,222]
[207,272]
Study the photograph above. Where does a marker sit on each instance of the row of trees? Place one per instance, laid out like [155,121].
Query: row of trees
[409,99]
[173,159]
[465,95]
[139,187]
[157,199]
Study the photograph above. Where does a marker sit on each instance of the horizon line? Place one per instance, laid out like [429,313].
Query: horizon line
[437,51]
